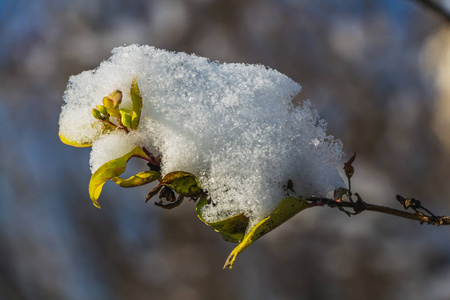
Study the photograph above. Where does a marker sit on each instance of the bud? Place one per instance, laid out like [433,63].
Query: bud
[96,113]
[339,194]
[103,110]
[348,167]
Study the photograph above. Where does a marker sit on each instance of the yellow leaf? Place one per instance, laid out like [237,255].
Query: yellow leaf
[231,229]
[111,103]
[111,169]
[115,98]
[125,117]
[70,142]
[288,208]
[138,179]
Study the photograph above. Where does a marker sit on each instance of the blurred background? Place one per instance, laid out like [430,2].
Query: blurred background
[377,71]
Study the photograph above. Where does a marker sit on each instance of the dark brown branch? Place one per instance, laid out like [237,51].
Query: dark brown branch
[360,206]
[437,8]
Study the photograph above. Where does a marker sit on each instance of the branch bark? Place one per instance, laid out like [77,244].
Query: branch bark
[359,206]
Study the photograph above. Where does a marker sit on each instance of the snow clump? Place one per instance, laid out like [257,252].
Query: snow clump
[231,125]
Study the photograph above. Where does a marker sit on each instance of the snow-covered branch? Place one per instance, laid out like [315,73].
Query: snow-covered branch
[225,135]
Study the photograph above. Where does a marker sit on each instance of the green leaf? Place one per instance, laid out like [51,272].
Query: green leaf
[108,171]
[182,183]
[103,110]
[73,143]
[288,208]
[138,179]
[137,104]
[231,229]
[125,117]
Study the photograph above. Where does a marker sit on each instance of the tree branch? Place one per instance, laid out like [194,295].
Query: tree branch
[435,7]
[360,206]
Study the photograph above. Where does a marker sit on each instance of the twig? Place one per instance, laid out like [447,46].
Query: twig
[360,206]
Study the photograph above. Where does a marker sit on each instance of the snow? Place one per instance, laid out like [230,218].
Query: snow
[231,125]
[111,146]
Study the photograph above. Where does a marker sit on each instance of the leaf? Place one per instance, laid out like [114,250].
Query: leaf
[182,183]
[111,102]
[125,117]
[288,208]
[138,179]
[169,196]
[231,229]
[115,98]
[103,110]
[108,171]
[96,114]
[107,127]
[137,104]
[73,143]
[153,192]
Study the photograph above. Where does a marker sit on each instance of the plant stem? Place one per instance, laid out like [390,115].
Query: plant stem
[362,206]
